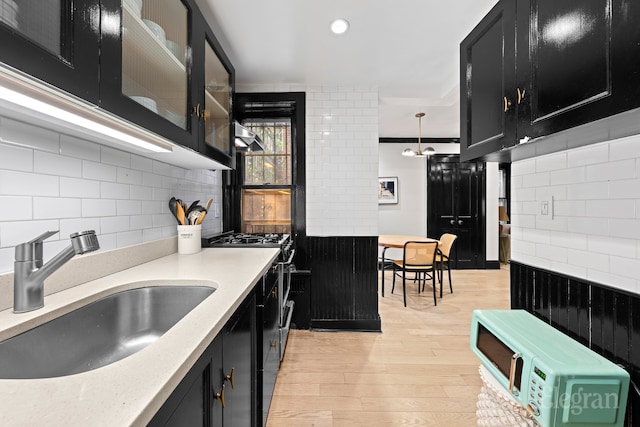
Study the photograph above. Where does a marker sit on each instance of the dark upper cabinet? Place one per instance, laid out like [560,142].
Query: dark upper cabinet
[487,77]
[154,63]
[55,41]
[163,69]
[575,62]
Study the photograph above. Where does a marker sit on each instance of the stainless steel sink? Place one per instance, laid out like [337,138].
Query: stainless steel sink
[99,333]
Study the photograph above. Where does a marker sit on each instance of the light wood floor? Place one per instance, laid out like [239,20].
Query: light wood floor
[418,372]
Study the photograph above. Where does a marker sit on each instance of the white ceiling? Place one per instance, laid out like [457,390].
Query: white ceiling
[409,49]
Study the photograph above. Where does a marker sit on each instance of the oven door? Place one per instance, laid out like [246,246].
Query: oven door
[284,271]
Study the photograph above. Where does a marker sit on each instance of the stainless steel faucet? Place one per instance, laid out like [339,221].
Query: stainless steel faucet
[29,273]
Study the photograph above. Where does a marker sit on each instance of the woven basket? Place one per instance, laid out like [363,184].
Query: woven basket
[496,408]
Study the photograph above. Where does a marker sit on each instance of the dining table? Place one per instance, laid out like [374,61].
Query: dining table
[397,241]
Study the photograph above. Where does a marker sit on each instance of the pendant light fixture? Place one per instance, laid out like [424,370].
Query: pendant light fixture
[427,151]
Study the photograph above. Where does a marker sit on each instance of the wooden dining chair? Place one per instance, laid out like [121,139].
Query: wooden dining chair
[442,257]
[419,258]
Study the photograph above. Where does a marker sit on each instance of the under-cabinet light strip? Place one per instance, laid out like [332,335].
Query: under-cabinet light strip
[28,93]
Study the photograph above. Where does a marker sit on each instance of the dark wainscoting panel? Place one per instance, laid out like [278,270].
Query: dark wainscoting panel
[344,283]
[600,317]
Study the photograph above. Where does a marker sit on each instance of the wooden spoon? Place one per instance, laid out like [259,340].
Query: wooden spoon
[180,213]
[208,205]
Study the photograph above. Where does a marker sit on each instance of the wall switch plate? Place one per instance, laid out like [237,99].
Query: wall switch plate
[544,207]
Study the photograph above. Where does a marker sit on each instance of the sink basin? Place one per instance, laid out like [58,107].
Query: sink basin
[99,333]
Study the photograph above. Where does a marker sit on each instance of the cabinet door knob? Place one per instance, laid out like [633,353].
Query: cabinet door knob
[507,104]
[521,95]
[220,396]
[452,222]
[460,222]
[274,292]
[230,378]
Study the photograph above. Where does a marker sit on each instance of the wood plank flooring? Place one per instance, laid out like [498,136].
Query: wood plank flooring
[418,372]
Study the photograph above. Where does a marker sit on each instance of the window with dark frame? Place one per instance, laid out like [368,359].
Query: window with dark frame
[267,179]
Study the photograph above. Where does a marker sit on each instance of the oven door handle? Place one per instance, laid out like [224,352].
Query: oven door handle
[512,373]
[289,261]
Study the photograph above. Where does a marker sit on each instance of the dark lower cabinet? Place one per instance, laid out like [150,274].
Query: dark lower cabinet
[219,390]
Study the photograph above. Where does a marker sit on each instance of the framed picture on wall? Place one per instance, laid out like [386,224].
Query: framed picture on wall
[387,190]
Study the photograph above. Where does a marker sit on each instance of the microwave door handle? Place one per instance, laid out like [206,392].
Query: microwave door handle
[512,372]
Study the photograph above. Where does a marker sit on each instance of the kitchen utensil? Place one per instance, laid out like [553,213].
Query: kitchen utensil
[192,217]
[180,212]
[208,205]
[201,217]
[191,207]
[172,207]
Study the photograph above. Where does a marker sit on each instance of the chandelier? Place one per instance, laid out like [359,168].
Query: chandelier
[427,151]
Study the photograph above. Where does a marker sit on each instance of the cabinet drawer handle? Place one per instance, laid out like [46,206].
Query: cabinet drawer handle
[274,292]
[507,104]
[230,378]
[220,396]
[521,95]
[196,110]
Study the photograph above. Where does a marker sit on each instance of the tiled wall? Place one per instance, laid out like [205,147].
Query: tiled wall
[341,158]
[592,229]
[53,181]
[342,161]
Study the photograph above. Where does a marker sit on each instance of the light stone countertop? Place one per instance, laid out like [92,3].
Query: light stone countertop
[129,392]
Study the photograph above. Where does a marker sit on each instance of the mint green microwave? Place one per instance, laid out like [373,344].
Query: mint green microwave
[558,380]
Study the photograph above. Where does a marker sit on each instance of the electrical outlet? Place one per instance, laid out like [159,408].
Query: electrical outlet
[216,210]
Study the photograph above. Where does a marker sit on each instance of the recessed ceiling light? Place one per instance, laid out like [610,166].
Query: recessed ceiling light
[339,26]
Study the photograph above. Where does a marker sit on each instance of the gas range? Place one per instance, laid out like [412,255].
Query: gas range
[232,239]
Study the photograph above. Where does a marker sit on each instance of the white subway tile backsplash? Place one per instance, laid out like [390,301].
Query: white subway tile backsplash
[56,207]
[140,193]
[141,164]
[593,226]
[568,176]
[16,158]
[592,154]
[98,207]
[625,228]
[588,191]
[98,171]
[601,207]
[141,222]
[114,224]
[111,190]
[624,247]
[625,189]
[54,164]
[112,156]
[77,187]
[623,169]
[551,162]
[129,176]
[610,208]
[625,148]
[129,238]
[129,207]
[15,208]
[14,183]
[589,260]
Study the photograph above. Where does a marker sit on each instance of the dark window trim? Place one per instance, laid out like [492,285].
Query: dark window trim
[232,179]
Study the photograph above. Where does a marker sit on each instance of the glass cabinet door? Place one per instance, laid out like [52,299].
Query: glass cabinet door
[217,102]
[154,57]
[56,41]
